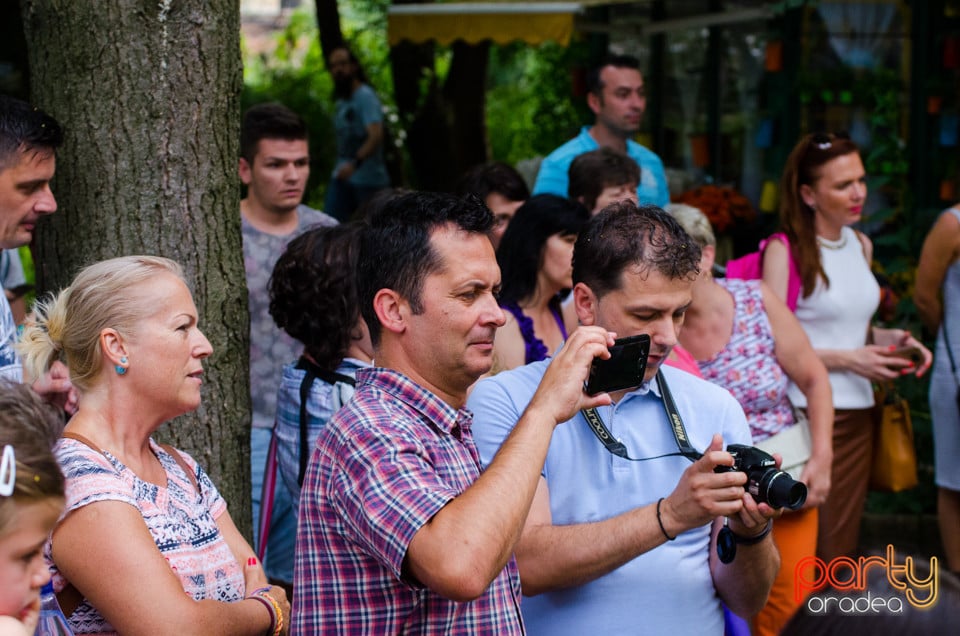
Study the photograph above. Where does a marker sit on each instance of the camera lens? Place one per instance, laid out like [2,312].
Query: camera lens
[780,490]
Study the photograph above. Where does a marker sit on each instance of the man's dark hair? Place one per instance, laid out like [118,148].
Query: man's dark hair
[269,121]
[593,171]
[24,128]
[644,239]
[493,177]
[520,254]
[313,291]
[361,75]
[395,251]
[595,84]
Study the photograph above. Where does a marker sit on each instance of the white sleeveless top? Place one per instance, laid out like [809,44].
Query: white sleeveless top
[838,316]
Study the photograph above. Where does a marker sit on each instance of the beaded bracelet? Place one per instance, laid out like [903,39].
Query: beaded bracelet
[660,521]
[276,615]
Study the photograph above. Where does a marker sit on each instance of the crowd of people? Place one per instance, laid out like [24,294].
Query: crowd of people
[426,455]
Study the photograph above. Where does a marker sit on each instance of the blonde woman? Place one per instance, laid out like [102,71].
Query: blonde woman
[146,545]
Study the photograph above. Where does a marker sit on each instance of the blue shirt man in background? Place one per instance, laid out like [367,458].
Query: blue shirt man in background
[617,97]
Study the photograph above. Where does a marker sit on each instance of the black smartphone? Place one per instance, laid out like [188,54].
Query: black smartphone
[625,367]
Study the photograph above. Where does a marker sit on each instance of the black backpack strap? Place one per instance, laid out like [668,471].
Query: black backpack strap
[313,372]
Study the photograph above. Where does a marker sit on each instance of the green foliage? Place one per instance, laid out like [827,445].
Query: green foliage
[295,74]
[529,104]
[897,244]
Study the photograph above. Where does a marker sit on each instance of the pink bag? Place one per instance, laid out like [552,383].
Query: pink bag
[750,267]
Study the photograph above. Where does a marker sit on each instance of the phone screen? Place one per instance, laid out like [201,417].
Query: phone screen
[624,369]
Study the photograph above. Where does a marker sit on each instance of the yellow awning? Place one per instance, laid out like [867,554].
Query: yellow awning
[474,22]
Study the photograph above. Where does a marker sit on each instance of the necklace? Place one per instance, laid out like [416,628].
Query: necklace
[832,245]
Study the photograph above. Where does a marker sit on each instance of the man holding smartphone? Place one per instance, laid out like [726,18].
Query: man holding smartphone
[614,545]
[399,531]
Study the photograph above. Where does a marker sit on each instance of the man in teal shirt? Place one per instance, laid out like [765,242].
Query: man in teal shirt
[358,122]
[617,97]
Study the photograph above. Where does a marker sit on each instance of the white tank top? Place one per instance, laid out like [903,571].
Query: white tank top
[838,316]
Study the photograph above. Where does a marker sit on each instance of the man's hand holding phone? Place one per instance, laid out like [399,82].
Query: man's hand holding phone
[561,392]
[624,368]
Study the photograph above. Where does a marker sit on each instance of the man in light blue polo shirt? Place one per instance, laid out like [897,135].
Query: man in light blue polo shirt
[615,546]
[617,97]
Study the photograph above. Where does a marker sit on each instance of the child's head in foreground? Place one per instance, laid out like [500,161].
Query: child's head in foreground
[31,498]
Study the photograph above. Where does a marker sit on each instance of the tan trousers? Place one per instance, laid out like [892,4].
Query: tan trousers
[839,528]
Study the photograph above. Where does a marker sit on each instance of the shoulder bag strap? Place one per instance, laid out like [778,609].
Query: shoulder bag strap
[178,457]
[313,372]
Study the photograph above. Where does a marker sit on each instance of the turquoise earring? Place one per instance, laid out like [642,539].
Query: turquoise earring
[121,369]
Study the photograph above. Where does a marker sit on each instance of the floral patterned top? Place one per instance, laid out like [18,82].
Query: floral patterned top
[747,366]
[183,523]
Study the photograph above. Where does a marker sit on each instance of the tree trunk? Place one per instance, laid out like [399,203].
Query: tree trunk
[447,133]
[328,23]
[148,94]
[465,90]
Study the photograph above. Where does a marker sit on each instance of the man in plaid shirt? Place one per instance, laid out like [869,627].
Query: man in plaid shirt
[399,532]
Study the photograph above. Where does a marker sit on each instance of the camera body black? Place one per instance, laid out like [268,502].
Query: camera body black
[765,481]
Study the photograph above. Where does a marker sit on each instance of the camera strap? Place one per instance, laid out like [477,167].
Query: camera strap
[727,540]
[616,447]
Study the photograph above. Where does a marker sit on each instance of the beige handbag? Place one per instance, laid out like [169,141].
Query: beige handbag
[792,443]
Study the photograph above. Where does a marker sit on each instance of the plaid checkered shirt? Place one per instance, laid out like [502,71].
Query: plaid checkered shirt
[383,466]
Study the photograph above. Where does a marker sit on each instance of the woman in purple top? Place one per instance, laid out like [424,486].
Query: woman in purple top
[536,269]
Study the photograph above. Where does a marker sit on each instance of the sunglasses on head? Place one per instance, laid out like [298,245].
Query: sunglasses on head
[823,140]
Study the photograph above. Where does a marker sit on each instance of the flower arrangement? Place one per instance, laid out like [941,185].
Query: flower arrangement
[723,205]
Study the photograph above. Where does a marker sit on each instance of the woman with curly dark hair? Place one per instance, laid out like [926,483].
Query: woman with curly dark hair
[536,266]
[313,297]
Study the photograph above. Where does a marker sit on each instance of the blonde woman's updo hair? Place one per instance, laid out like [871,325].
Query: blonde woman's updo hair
[68,326]
[694,222]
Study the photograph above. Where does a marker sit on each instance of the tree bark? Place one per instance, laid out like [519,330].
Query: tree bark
[148,94]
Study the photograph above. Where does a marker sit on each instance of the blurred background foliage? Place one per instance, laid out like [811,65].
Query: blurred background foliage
[529,111]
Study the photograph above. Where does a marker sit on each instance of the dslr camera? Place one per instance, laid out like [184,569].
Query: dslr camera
[765,481]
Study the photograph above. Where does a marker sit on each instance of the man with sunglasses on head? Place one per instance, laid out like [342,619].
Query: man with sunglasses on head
[613,545]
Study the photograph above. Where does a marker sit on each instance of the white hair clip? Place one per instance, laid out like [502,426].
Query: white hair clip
[8,471]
